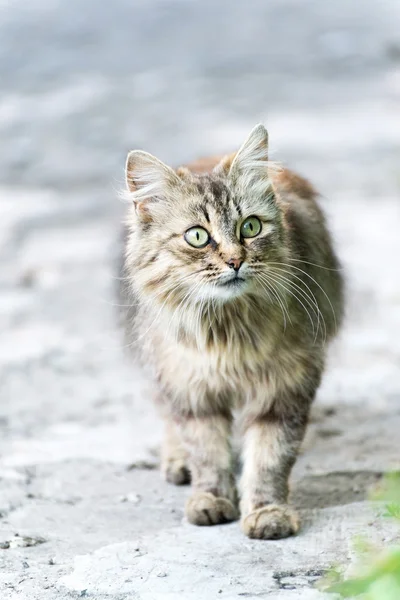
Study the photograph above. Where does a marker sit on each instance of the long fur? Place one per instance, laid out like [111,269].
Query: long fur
[210,348]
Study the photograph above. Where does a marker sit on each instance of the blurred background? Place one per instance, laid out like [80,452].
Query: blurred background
[84,82]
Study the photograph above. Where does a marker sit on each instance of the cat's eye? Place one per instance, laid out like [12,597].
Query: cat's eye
[197,237]
[250,227]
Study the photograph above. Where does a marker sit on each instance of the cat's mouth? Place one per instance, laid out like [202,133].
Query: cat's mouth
[232,283]
[227,288]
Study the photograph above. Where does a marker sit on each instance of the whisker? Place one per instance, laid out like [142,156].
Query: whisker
[312,301]
[278,282]
[276,295]
[306,262]
[185,300]
[312,304]
[149,302]
[316,283]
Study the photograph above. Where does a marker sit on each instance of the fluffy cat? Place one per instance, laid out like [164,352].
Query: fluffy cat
[234,291]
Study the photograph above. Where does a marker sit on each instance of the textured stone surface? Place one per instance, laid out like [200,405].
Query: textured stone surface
[82,83]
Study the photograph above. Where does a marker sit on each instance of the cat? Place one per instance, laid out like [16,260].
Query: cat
[234,291]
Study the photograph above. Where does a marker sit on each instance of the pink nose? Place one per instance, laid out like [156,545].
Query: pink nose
[235,263]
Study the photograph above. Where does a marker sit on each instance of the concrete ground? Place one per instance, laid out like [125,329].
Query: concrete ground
[83,510]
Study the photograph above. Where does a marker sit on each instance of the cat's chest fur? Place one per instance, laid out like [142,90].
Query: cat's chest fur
[229,362]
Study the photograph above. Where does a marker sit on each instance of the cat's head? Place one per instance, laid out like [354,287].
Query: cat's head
[201,237]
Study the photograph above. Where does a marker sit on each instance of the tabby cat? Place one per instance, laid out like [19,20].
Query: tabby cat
[234,291]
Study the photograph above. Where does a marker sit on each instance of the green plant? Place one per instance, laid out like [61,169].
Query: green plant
[379,577]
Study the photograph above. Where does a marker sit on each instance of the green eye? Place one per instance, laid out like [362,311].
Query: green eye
[197,237]
[250,227]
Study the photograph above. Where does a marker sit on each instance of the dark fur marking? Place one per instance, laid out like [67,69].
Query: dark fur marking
[237,206]
[146,226]
[218,189]
[213,244]
[204,210]
[149,261]
[155,282]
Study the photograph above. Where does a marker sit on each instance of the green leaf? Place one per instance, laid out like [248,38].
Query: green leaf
[392,510]
[351,587]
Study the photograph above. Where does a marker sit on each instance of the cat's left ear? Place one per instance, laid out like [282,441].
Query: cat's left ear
[252,157]
[248,169]
[149,181]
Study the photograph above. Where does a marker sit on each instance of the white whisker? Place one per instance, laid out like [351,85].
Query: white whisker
[316,283]
[289,291]
[311,300]
[278,297]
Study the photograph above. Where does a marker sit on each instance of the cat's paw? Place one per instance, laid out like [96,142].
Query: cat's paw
[203,508]
[271,522]
[175,471]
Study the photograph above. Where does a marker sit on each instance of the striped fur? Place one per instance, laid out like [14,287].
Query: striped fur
[214,348]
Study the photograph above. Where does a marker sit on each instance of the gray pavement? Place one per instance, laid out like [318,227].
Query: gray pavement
[81,84]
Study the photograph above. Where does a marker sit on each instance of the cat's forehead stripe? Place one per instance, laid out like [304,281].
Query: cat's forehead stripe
[216,193]
[204,209]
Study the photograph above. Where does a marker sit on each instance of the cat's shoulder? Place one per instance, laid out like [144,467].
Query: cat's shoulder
[289,182]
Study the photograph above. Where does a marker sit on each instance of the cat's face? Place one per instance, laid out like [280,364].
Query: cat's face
[205,237]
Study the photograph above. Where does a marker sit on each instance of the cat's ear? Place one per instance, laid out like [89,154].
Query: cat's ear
[252,156]
[149,181]
[249,169]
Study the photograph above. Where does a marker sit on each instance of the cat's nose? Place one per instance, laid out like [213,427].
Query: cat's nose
[235,263]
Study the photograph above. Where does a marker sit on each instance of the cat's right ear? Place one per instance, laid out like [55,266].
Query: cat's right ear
[150,183]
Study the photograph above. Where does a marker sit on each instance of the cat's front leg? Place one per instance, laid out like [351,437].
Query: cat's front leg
[174,458]
[271,444]
[207,441]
